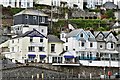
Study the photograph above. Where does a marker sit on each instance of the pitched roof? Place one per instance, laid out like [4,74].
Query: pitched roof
[92,39]
[73,33]
[106,33]
[110,5]
[53,38]
[96,33]
[118,42]
[31,12]
[116,25]
[33,33]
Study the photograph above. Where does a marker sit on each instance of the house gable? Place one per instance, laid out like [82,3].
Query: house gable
[100,36]
[110,37]
[83,35]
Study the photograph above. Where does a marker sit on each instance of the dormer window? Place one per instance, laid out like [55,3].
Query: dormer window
[81,35]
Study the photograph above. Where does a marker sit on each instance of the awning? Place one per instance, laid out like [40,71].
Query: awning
[31,55]
[43,56]
[68,56]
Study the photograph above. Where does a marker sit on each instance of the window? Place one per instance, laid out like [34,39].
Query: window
[87,55]
[18,48]
[100,46]
[34,17]
[82,55]
[52,47]
[90,55]
[31,49]
[18,40]
[41,40]
[28,4]
[12,49]
[110,36]
[42,30]
[43,19]
[66,48]
[31,39]
[81,35]
[91,45]
[62,35]
[26,17]
[41,49]
[54,59]
[111,45]
[82,44]
[12,41]
[9,1]
[66,39]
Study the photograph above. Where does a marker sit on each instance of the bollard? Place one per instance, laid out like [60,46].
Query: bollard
[90,76]
[32,77]
[79,76]
[42,76]
[37,76]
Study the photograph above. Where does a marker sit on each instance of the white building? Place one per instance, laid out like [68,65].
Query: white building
[33,46]
[92,3]
[81,44]
[17,3]
[28,47]
[68,3]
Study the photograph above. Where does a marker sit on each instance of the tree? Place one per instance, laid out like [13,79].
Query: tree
[110,14]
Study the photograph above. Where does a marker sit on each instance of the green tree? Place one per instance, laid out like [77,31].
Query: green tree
[110,14]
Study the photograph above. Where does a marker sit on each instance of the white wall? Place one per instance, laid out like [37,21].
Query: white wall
[22,53]
[99,63]
[58,48]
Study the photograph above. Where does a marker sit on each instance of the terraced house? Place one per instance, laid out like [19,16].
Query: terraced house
[92,49]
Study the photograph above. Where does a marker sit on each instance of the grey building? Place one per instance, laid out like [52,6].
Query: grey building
[28,19]
[107,45]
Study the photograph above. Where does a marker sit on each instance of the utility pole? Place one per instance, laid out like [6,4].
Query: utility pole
[51,24]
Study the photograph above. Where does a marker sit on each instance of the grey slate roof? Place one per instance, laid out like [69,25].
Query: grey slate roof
[31,12]
[73,33]
[105,33]
[53,38]
[92,39]
[96,33]
[110,5]
[33,33]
